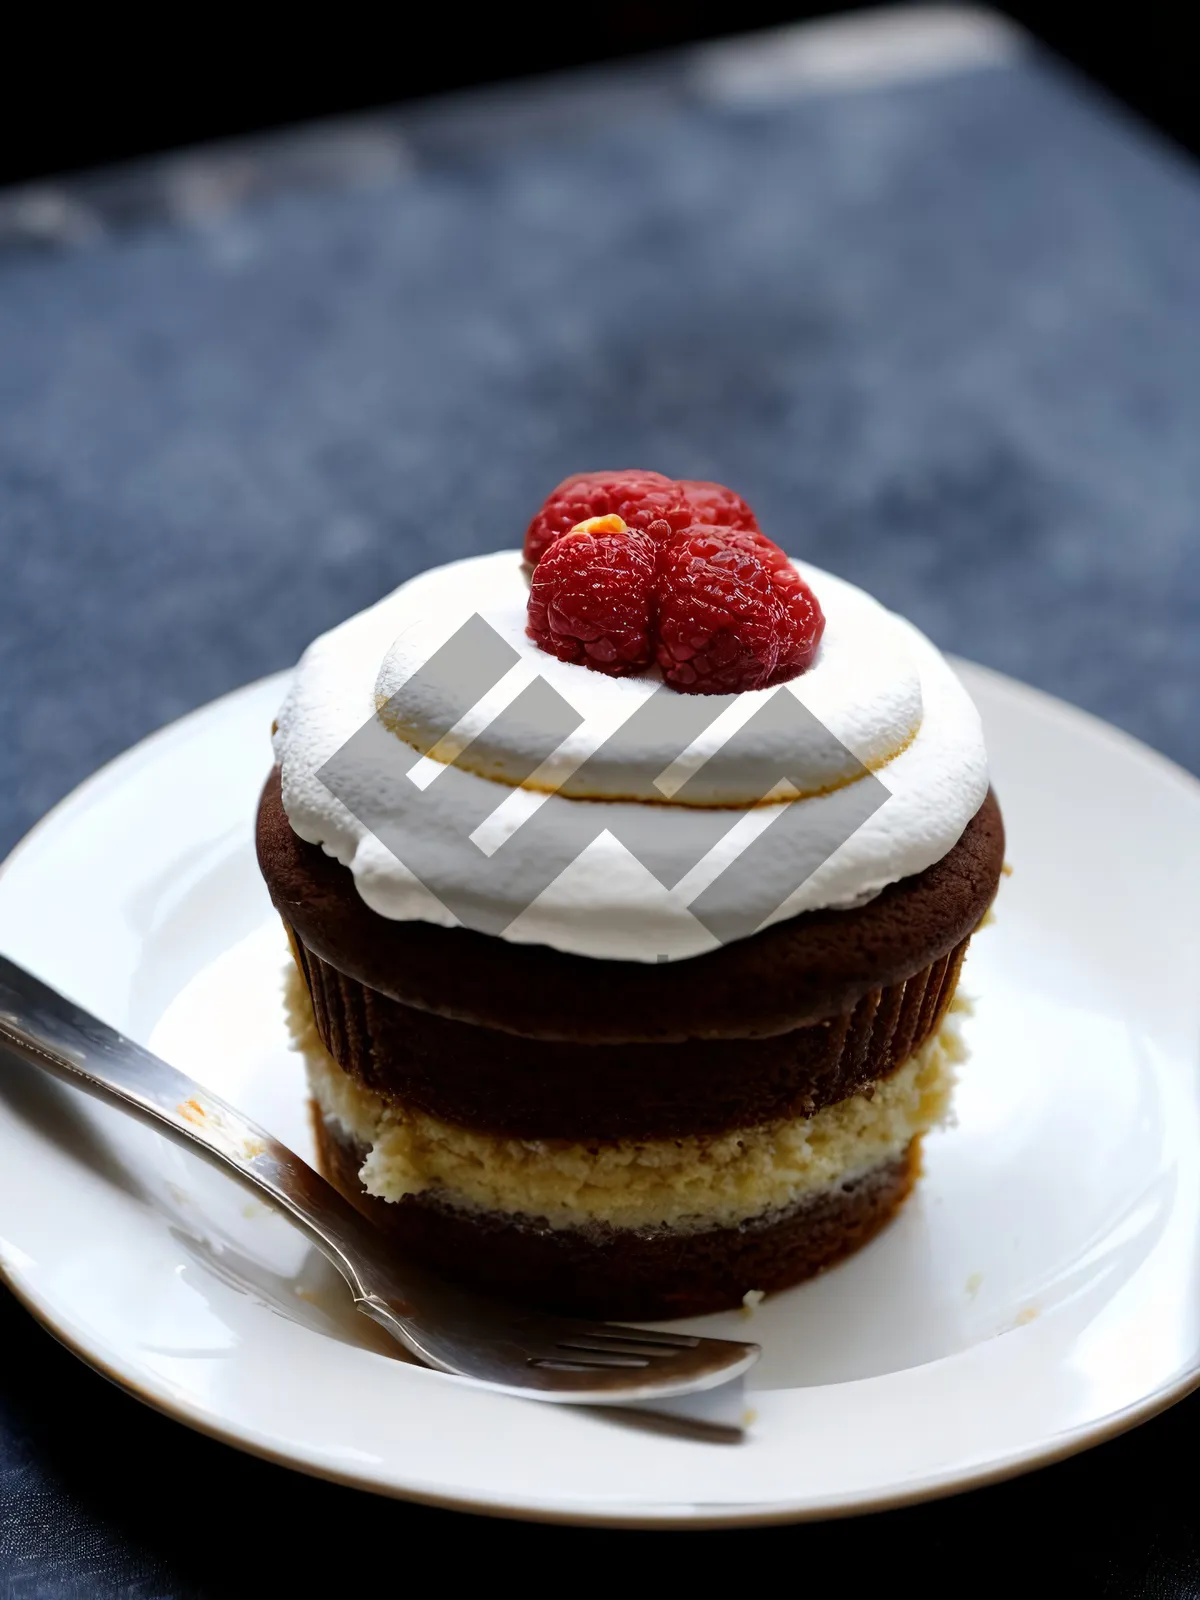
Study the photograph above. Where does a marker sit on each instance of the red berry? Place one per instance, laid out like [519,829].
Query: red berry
[720,619]
[717,506]
[592,598]
[677,572]
[638,498]
[803,621]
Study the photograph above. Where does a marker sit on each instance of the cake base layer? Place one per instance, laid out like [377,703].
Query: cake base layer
[497,1083]
[643,1274]
[801,971]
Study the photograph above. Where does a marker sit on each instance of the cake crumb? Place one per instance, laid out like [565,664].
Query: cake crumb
[973,1284]
[749,1417]
[751,1300]
[1006,869]
[213,1124]
[1024,1317]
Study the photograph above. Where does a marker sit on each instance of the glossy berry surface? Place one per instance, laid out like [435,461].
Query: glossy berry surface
[592,599]
[714,504]
[720,622]
[638,498]
[715,603]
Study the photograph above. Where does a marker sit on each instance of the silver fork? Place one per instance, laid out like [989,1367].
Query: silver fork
[522,1353]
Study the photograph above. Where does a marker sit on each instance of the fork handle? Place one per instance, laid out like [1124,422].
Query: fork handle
[49,1031]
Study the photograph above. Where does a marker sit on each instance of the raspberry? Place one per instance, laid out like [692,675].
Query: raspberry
[631,566]
[592,597]
[638,498]
[721,621]
[803,621]
[716,506]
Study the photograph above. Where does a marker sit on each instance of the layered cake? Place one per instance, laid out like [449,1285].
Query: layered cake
[628,879]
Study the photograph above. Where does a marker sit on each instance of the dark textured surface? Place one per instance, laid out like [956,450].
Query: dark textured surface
[797,971]
[943,336]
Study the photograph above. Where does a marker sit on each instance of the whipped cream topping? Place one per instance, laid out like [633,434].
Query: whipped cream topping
[711,768]
[698,817]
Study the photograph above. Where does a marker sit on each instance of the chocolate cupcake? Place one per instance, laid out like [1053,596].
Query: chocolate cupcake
[626,946]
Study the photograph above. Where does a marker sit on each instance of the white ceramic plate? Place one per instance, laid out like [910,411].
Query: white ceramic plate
[1040,1292]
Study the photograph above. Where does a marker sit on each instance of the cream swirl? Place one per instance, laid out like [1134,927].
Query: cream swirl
[882,700]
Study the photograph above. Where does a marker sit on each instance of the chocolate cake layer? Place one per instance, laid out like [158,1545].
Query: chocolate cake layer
[817,965]
[624,1273]
[494,1082]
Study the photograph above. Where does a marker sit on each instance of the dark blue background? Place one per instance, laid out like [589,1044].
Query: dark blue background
[945,336]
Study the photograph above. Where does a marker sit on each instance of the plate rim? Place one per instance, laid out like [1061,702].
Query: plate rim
[759,1514]
[951,1481]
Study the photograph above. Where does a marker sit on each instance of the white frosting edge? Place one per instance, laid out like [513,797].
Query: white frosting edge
[606,904]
